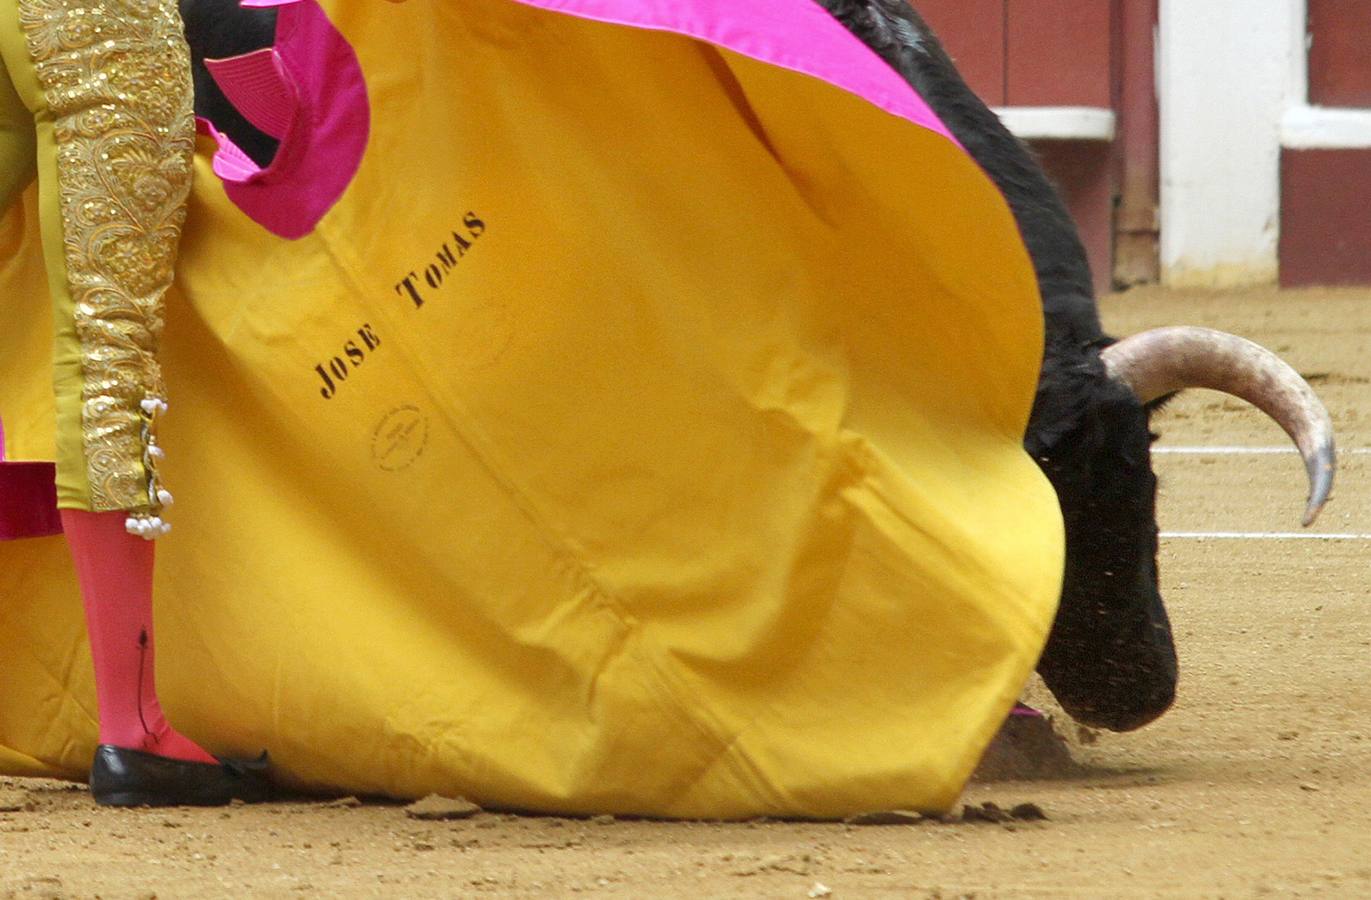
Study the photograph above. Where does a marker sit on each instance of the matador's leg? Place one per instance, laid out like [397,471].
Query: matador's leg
[108,86]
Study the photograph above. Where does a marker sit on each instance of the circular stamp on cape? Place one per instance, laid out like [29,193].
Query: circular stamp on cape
[399,439]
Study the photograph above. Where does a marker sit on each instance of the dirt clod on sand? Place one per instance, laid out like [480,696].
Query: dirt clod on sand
[993,812]
[889,817]
[1028,812]
[435,808]
[1027,748]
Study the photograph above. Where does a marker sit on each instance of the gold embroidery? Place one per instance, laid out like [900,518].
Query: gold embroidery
[116,76]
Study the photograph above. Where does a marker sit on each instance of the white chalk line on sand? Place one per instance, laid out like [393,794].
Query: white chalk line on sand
[1263,536]
[1246,451]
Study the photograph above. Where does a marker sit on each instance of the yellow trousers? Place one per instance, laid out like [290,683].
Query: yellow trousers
[96,101]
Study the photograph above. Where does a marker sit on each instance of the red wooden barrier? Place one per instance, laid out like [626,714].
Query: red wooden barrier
[1059,53]
[1325,229]
[1340,53]
[973,31]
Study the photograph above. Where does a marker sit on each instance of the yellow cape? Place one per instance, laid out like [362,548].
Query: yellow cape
[689,485]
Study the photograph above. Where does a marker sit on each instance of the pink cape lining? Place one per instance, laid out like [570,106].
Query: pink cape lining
[309,93]
[258,86]
[798,35]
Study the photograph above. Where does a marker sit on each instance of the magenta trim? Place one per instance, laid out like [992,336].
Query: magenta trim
[229,163]
[311,89]
[798,35]
[257,86]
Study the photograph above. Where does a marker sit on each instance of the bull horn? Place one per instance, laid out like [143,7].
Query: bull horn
[1164,360]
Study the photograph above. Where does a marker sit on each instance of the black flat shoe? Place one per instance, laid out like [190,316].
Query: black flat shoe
[122,777]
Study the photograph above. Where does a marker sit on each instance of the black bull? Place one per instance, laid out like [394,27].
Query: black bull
[1110,659]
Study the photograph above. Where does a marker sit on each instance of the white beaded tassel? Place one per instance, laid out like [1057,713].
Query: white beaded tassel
[149,527]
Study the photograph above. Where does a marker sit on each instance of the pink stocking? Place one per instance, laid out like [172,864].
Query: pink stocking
[115,572]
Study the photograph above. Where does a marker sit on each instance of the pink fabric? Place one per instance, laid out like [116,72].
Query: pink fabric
[230,163]
[308,91]
[317,100]
[115,572]
[28,498]
[257,86]
[798,35]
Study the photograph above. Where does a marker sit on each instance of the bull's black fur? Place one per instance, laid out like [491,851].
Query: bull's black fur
[1110,659]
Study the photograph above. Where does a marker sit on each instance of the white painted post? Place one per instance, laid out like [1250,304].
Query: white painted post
[1228,71]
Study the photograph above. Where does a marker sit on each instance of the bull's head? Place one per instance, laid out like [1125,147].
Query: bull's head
[1110,660]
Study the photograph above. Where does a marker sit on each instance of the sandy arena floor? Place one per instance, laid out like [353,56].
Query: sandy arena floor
[1257,783]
